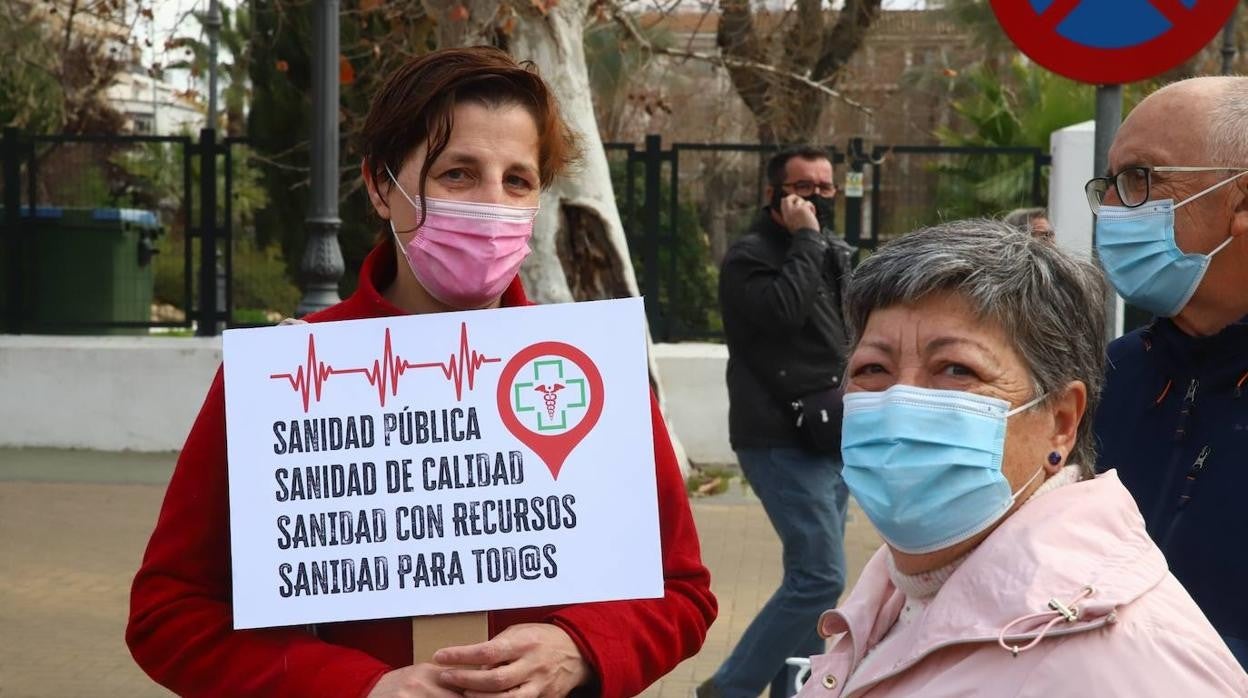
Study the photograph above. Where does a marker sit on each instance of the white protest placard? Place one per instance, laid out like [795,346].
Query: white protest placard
[441,463]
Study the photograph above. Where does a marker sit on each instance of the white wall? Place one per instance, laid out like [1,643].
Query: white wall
[143,393]
[697,398]
[106,393]
[1073,150]
[1072,168]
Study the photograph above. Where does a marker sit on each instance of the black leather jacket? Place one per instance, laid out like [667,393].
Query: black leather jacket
[782,297]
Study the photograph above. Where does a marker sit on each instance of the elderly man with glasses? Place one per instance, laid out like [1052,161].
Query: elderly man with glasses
[781,290]
[1172,235]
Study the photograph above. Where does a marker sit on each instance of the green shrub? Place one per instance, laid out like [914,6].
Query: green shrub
[253,316]
[169,269]
[688,278]
[260,280]
[260,283]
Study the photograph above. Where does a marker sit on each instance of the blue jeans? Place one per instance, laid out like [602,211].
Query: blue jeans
[805,498]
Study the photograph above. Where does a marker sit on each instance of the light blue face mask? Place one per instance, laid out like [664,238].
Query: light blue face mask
[925,465]
[1136,247]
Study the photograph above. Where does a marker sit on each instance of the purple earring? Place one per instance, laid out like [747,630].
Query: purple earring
[1055,458]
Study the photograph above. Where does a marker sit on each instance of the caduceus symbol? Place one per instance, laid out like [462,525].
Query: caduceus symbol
[549,395]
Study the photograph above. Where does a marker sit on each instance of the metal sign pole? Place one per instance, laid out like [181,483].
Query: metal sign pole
[1108,117]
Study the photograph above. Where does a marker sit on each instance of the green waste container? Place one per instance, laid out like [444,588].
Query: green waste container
[86,268]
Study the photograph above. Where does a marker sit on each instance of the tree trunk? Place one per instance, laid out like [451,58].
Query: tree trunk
[716,203]
[786,111]
[579,248]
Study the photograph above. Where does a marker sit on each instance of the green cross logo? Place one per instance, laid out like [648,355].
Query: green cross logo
[554,399]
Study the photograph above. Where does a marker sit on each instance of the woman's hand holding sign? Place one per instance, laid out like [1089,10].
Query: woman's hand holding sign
[418,681]
[529,660]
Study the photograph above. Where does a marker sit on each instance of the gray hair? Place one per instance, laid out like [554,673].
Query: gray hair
[1228,123]
[1021,218]
[1049,304]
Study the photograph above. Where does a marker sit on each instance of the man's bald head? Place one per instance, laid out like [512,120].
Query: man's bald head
[1207,115]
[1228,127]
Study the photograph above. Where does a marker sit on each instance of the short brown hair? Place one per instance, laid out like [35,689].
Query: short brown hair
[778,163]
[416,104]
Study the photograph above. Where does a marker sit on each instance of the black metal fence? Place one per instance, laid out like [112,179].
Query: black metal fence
[128,234]
[683,205]
[680,222]
[133,234]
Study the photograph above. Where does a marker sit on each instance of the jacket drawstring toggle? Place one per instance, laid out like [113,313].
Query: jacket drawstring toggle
[1068,612]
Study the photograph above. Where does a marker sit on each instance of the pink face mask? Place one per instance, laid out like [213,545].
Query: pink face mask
[466,254]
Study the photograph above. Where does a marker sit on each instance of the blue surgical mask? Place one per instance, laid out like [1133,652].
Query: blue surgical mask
[1141,258]
[925,465]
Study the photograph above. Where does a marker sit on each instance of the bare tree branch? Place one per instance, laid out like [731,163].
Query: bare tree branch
[844,38]
[661,13]
[69,26]
[625,21]
[804,41]
[737,38]
[706,12]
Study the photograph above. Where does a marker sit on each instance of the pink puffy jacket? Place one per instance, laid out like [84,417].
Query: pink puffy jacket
[1068,597]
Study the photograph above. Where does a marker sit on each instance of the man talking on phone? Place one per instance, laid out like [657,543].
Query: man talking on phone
[780,289]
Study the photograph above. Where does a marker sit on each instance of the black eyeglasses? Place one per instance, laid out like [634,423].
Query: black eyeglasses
[805,187]
[1134,184]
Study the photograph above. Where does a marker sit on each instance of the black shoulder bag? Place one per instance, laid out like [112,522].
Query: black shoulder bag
[818,418]
[817,415]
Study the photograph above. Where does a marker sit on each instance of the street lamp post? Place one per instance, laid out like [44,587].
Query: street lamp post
[322,265]
[214,279]
[212,24]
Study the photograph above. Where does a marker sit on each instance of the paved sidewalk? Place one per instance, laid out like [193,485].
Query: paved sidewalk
[73,526]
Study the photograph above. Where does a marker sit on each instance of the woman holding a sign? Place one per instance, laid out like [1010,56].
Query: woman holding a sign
[1009,570]
[458,146]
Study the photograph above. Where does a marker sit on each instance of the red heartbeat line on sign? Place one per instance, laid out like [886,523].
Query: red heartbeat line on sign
[309,380]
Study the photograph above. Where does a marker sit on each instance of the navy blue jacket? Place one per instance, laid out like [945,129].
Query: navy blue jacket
[1174,423]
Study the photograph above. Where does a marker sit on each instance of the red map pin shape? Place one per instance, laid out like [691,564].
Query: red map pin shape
[550,397]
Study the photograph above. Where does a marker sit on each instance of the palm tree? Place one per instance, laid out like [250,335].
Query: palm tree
[235,40]
[1020,104]
[977,17]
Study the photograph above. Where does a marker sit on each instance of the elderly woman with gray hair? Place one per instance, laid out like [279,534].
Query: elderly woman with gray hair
[1008,569]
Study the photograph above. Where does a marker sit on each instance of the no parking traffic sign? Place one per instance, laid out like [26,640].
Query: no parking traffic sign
[1111,41]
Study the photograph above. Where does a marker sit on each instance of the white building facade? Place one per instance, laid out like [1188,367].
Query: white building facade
[154,107]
